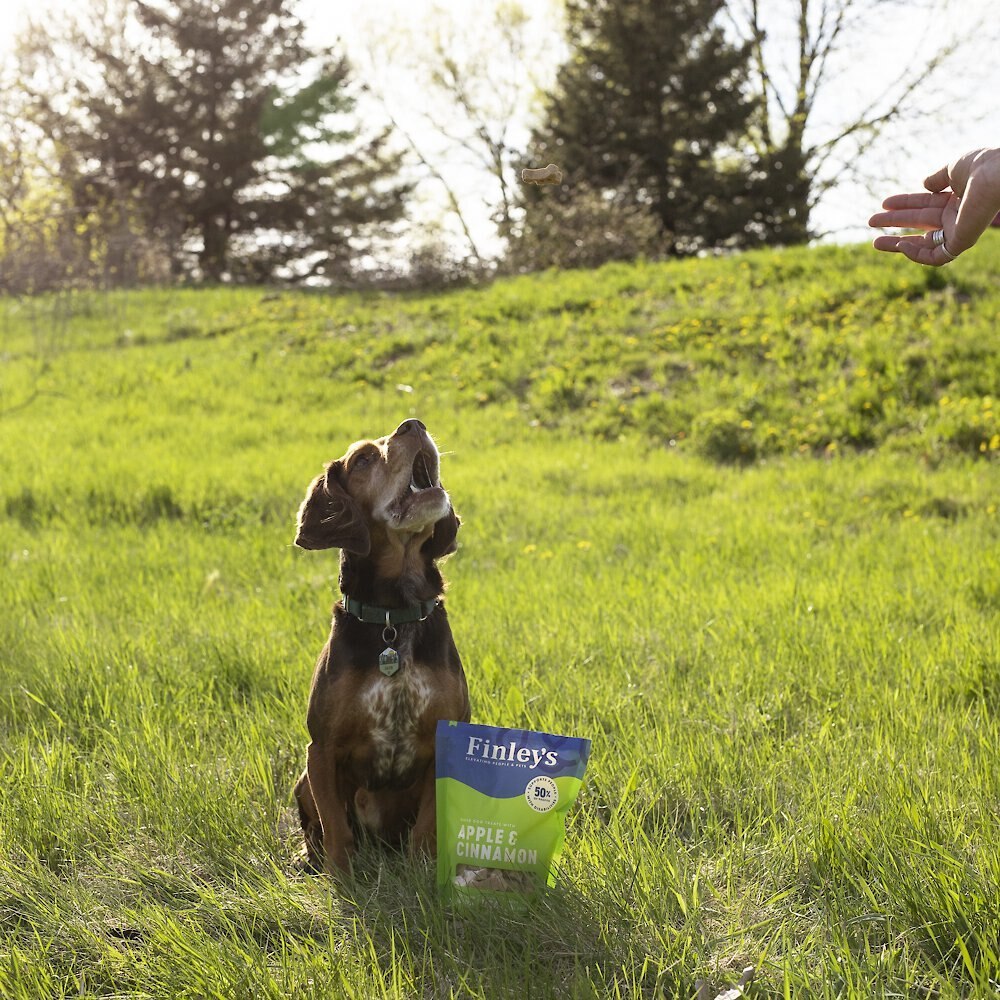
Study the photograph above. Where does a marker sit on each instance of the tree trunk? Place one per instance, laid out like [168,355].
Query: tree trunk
[215,247]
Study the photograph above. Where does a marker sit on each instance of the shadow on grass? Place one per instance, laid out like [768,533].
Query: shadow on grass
[562,944]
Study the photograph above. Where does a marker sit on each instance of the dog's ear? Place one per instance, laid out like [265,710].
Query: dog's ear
[329,519]
[443,541]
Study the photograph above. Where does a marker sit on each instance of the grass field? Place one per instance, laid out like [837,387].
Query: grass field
[735,520]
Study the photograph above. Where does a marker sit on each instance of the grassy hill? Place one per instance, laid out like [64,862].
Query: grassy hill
[767,353]
[733,519]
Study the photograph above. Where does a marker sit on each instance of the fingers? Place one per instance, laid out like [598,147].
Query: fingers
[912,211]
[925,218]
[961,201]
[908,218]
[916,248]
[889,244]
[918,199]
[938,181]
[928,256]
[915,211]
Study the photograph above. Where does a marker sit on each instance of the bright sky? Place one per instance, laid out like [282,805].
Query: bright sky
[902,35]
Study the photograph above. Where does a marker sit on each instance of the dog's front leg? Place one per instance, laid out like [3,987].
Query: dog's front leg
[423,837]
[312,829]
[338,840]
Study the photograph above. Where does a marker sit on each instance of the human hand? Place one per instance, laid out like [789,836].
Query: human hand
[962,214]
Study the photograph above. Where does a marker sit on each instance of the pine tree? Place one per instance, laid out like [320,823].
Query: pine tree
[215,123]
[652,108]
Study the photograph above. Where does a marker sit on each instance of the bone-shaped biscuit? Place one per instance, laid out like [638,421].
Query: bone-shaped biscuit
[542,175]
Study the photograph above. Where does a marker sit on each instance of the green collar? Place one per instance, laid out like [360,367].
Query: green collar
[389,616]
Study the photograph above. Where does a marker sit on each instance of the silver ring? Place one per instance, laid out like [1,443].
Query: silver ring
[944,249]
[937,238]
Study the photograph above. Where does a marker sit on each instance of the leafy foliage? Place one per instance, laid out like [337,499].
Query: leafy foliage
[218,130]
[586,229]
[651,107]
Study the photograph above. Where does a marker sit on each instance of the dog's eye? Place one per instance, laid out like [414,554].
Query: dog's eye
[360,461]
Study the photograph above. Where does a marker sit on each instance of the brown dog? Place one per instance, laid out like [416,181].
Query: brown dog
[390,669]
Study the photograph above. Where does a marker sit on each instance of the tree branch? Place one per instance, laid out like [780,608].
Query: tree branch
[434,172]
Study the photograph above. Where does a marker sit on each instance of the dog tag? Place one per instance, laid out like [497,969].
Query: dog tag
[388,661]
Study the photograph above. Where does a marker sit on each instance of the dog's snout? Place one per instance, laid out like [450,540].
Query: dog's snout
[409,425]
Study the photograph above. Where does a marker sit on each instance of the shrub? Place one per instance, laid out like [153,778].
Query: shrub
[724,436]
[585,231]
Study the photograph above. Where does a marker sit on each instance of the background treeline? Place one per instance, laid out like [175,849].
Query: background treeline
[186,140]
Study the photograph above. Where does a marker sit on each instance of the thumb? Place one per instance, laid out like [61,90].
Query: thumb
[938,181]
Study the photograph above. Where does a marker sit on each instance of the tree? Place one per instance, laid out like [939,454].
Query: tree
[214,123]
[800,50]
[46,241]
[34,235]
[652,106]
[462,104]
[484,78]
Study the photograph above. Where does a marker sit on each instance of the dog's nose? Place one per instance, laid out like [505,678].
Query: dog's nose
[409,425]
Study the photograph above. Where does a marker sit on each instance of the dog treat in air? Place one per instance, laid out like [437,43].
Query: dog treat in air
[542,175]
[502,799]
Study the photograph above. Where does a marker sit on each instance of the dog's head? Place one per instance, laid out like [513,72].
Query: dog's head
[383,498]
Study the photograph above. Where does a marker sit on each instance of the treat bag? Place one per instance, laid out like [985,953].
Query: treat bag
[502,799]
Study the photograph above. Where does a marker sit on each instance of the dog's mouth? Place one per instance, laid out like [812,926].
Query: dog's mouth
[421,499]
[424,474]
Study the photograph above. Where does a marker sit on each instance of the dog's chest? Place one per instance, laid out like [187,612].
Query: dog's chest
[394,707]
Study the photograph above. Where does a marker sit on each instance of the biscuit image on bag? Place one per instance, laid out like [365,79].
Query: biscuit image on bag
[502,799]
[497,879]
